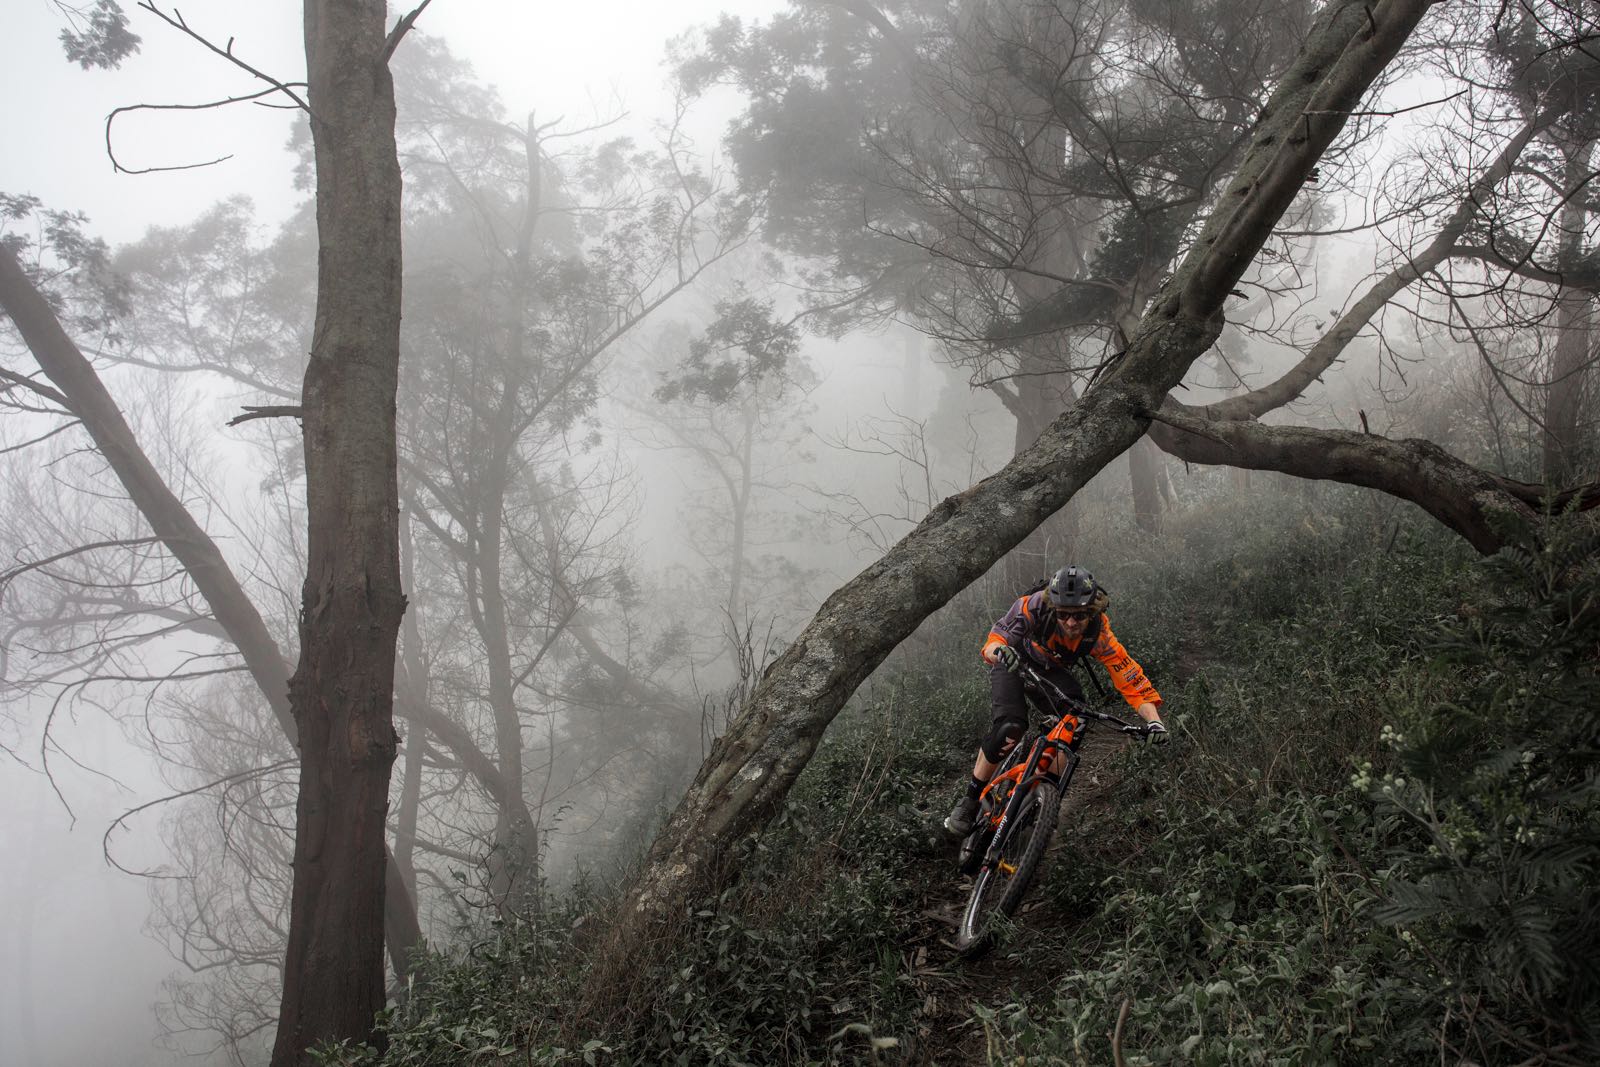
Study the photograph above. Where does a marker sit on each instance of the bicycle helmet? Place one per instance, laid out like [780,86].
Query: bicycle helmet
[1072,587]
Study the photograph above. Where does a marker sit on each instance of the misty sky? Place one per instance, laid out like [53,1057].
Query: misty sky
[562,59]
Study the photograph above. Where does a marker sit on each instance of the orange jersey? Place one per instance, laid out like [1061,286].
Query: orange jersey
[1031,628]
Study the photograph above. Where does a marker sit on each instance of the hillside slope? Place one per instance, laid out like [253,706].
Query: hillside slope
[1239,896]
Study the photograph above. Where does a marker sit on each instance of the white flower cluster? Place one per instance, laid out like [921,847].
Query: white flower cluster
[1362,779]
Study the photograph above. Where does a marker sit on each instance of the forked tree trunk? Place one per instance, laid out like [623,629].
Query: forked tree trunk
[342,691]
[750,770]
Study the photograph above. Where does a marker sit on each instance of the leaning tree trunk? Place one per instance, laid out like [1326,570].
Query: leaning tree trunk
[86,396]
[749,771]
[342,692]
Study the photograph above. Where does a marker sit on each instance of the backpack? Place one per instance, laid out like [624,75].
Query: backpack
[1042,583]
[1102,599]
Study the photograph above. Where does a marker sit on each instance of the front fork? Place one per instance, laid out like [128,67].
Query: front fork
[1030,774]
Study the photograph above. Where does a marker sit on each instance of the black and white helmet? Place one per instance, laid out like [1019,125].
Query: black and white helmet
[1072,587]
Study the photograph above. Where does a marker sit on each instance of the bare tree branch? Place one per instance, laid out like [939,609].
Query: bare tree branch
[6,577]
[1332,344]
[268,411]
[112,118]
[401,28]
[1463,497]
[237,776]
[176,21]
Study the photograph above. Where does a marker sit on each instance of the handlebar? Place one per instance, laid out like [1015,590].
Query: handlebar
[1078,707]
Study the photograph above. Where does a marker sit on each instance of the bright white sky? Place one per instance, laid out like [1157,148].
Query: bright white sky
[556,58]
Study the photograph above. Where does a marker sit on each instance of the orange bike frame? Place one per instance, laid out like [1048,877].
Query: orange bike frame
[1037,765]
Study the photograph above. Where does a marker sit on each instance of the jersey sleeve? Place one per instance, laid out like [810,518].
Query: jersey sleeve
[1126,675]
[1011,629]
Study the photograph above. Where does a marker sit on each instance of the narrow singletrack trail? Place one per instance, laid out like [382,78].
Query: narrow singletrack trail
[949,1033]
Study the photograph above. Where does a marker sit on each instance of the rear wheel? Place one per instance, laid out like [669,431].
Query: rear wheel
[998,888]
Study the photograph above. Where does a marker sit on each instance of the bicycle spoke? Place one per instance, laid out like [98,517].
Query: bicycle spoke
[1001,883]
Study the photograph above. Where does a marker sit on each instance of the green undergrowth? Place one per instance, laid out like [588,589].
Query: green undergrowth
[801,961]
[1373,840]
[1376,839]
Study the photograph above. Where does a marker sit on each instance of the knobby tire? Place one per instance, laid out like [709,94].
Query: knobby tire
[1025,846]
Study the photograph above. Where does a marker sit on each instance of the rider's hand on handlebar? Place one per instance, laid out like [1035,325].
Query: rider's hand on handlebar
[1156,733]
[1007,657]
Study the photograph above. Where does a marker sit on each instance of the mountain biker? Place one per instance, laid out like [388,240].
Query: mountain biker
[1052,629]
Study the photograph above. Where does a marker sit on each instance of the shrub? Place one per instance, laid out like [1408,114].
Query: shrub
[1497,888]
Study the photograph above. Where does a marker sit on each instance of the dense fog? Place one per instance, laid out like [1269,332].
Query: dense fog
[707,304]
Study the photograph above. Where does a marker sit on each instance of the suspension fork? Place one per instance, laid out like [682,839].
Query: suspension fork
[1030,774]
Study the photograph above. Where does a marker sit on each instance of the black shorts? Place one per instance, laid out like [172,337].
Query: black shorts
[1005,690]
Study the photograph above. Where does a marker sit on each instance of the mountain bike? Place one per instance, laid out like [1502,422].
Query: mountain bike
[1017,810]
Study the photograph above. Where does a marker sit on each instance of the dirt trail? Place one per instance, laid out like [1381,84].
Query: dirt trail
[948,1033]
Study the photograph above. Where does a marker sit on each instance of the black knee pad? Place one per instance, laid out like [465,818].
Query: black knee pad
[1002,735]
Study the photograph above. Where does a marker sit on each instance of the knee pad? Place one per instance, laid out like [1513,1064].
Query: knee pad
[1001,737]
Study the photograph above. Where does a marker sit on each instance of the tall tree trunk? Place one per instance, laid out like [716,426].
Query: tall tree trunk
[1565,395]
[1144,476]
[342,692]
[513,861]
[1044,390]
[750,770]
[741,494]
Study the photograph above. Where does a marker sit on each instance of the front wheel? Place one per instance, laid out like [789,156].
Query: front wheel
[998,888]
